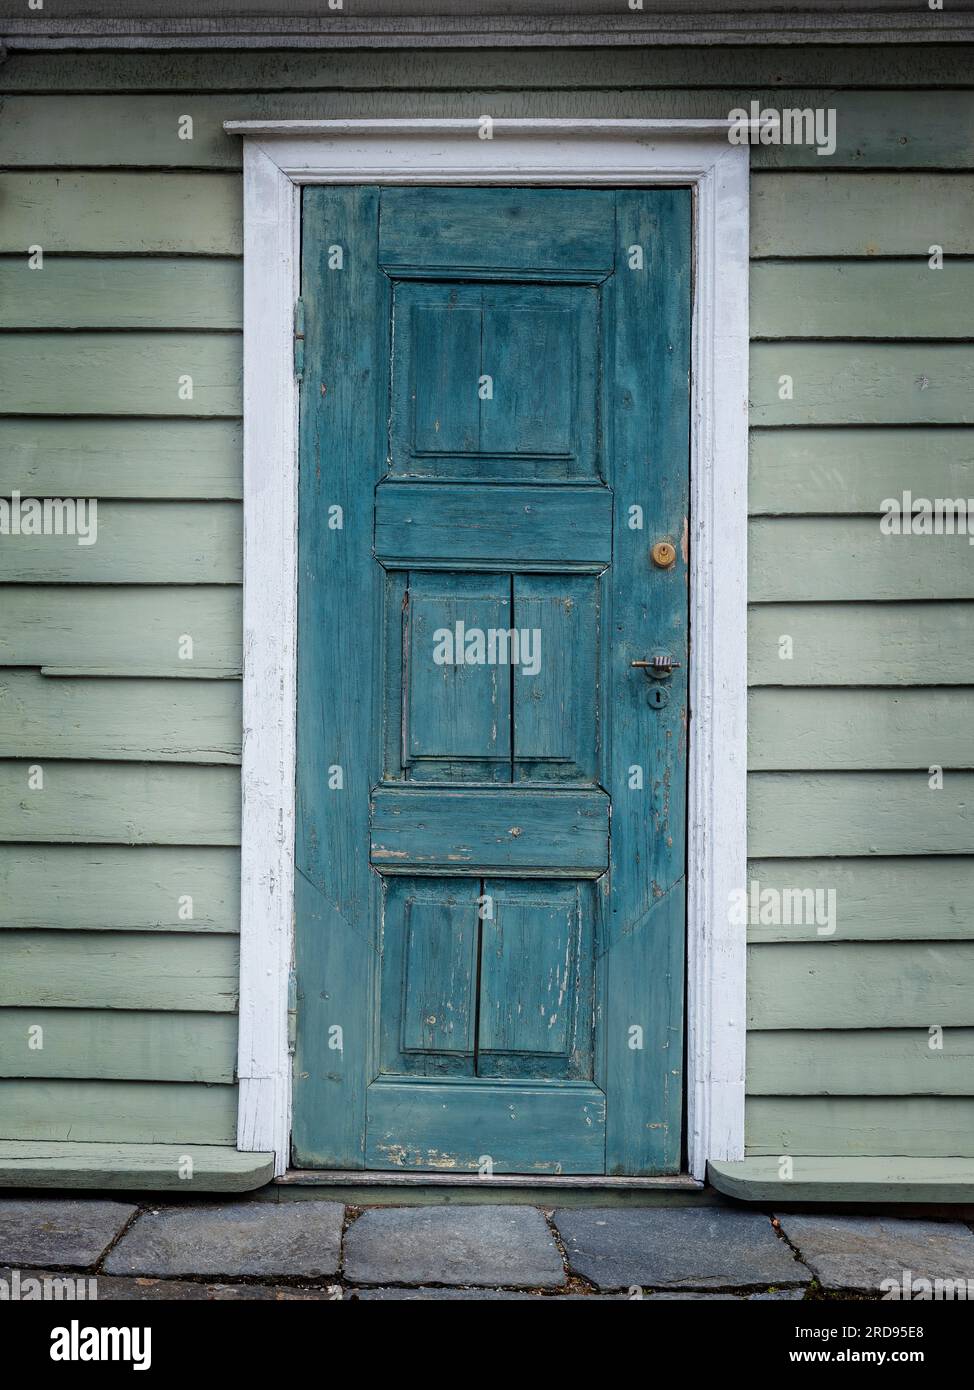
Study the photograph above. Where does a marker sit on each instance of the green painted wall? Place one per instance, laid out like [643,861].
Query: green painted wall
[135,992]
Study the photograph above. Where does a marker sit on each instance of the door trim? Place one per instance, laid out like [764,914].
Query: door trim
[281,156]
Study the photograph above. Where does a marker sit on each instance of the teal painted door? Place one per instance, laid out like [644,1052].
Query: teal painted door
[491,797]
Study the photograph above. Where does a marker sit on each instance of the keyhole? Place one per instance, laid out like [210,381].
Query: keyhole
[658,697]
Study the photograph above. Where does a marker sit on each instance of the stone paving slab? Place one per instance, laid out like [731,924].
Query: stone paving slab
[858,1252]
[108,1289]
[431,1295]
[72,1233]
[268,1240]
[481,1245]
[676,1247]
[769,1296]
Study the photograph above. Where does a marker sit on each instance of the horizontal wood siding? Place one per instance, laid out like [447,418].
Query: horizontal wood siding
[117,1046]
[118,881]
[123,1112]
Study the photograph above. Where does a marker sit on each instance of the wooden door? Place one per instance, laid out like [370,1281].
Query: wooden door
[491,797]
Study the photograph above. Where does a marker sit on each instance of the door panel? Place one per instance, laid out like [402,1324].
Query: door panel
[454,709]
[491,798]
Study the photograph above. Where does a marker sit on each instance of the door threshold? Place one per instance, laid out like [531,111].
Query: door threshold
[395,1189]
[319,1177]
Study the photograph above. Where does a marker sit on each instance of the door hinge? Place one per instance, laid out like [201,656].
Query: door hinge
[299,339]
[292,1012]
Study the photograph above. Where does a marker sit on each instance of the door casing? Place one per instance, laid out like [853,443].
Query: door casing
[278,158]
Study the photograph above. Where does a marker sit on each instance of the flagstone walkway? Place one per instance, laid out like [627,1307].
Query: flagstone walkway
[322,1250]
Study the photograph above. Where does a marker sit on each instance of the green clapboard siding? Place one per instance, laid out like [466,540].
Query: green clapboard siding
[811,729]
[99,1044]
[120,373]
[144,720]
[890,214]
[118,970]
[120,803]
[884,1062]
[122,630]
[848,813]
[174,459]
[841,471]
[861,299]
[853,984]
[128,1112]
[900,644]
[199,214]
[827,65]
[918,1125]
[136,543]
[96,292]
[862,384]
[120,888]
[925,128]
[850,558]
[875,899]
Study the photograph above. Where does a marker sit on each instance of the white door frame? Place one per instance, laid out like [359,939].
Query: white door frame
[280,156]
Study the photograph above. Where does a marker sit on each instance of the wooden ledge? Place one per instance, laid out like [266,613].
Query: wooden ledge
[133,1167]
[860,1180]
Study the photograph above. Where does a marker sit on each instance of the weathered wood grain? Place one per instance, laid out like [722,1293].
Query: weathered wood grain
[833,729]
[199,214]
[883,214]
[123,1112]
[165,459]
[108,292]
[861,299]
[881,1062]
[829,65]
[495,526]
[120,803]
[862,384]
[853,984]
[846,558]
[107,1045]
[795,814]
[120,373]
[830,472]
[917,1126]
[119,888]
[909,899]
[336,894]
[141,720]
[899,644]
[118,970]
[558,833]
[137,543]
[551,1129]
[122,629]
[919,128]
